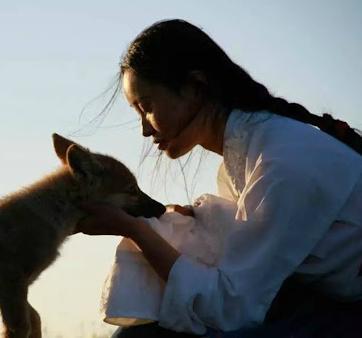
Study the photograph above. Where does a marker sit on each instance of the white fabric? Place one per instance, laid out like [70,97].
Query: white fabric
[291,183]
[298,193]
[132,292]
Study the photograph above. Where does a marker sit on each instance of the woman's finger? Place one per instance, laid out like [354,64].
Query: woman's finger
[186,211]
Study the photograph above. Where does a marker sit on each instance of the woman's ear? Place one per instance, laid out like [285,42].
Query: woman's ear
[195,87]
[197,76]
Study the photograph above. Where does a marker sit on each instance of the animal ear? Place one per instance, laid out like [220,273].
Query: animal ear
[61,145]
[82,163]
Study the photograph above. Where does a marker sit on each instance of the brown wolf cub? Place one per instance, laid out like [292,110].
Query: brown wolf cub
[36,220]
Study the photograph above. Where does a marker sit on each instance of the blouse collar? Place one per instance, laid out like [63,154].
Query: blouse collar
[238,129]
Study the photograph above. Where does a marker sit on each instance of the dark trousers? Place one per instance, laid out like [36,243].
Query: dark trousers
[149,331]
[296,312]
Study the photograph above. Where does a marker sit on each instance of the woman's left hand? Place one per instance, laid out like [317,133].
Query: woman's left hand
[186,210]
[105,219]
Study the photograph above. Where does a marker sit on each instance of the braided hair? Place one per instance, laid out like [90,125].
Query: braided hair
[168,51]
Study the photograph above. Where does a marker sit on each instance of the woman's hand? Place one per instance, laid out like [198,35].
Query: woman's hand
[183,210]
[105,219]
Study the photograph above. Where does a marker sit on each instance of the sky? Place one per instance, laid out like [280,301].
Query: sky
[57,60]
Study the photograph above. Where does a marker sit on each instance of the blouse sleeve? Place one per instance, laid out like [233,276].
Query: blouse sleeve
[283,212]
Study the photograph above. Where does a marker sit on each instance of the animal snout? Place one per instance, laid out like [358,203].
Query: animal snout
[145,206]
[153,209]
[160,209]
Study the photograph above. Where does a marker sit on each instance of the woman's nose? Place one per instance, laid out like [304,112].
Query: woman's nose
[147,129]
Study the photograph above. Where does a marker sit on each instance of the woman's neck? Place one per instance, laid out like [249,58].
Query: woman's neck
[214,129]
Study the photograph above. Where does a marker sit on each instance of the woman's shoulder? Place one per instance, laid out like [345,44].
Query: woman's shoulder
[275,134]
[287,146]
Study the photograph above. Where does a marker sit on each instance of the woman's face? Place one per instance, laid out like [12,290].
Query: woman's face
[167,116]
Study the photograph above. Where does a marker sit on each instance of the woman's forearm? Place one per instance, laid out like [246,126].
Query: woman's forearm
[159,253]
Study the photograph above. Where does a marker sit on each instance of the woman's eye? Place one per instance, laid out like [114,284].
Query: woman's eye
[145,108]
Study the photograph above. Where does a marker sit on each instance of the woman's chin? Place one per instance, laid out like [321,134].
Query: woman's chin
[171,154]
[174,152]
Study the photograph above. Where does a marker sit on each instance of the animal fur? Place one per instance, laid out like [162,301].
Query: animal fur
[36,220]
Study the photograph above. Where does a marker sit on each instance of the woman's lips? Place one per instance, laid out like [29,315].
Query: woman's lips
[162,145]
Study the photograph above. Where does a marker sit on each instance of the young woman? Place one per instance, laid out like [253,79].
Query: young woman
[293,267]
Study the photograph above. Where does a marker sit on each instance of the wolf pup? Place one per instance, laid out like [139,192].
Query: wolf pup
[36,220]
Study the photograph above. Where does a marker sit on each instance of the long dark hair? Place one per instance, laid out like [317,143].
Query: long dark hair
[169,51]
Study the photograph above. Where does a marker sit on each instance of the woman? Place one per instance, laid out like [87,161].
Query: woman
[297,254]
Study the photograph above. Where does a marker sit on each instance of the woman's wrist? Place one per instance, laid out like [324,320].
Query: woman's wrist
[159,253]
[138,230]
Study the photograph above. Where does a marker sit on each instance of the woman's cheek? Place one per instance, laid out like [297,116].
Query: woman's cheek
[152,121]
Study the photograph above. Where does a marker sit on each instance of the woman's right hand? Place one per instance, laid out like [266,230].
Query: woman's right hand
[105,219]
[186,210]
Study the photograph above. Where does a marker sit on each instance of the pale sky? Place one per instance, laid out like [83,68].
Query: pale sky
[55,57]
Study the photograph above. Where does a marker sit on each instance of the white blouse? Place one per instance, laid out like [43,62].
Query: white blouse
[299,210]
